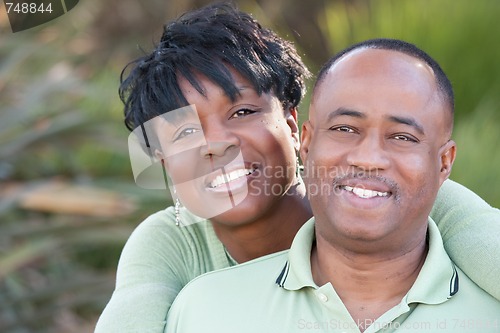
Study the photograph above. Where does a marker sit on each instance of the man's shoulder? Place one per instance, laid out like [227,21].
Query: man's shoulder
[471,309]
[470,293]
[252,275]
[228,298]
[263,267]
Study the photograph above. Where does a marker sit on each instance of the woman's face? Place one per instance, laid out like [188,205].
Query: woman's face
[229,161]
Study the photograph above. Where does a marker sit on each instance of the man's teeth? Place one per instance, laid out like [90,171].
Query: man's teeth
[226,178]
[363,193]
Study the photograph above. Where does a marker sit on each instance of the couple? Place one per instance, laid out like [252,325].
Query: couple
[243,84]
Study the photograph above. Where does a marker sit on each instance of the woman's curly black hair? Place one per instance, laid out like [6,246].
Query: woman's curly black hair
[209,41]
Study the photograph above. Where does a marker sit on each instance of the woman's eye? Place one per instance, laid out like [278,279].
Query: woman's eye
[242,112]
[186,132]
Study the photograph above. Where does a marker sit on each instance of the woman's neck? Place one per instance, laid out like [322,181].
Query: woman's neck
[271,232]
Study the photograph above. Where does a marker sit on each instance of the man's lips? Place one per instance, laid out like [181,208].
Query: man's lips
[364,193]
[366,187]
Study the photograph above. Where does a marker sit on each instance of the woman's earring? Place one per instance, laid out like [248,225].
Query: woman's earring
[177,212]
[177,207]
[298,168]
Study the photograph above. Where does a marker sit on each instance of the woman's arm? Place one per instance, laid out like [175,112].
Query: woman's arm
[471,234]
[146,284]
[158,260]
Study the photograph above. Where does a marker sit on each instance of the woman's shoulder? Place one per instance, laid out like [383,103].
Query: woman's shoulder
[159,258]
[187,250]
[161,226]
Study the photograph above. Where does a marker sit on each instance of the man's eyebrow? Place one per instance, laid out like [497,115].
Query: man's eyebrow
[345,112]
[407,121]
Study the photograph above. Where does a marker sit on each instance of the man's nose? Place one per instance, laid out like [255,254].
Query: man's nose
[369,154]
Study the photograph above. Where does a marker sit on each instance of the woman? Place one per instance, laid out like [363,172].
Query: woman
[217,103]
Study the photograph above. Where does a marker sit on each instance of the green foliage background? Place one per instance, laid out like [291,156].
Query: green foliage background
[60,119]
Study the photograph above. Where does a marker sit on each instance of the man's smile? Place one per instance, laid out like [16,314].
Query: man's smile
[364,193]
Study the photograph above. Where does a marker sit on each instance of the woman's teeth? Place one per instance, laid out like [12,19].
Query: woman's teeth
[228,177]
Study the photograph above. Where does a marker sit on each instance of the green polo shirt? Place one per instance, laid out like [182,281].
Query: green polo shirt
[277,293]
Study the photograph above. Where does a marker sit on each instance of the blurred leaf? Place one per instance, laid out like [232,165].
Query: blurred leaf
[20,255]
[478,156]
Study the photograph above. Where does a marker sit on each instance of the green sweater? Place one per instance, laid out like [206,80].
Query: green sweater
[160,258]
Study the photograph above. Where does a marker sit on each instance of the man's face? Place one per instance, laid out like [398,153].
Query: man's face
[376,149]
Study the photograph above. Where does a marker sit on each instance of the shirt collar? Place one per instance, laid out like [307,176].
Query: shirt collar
[436,282]
[438,279]
[297,271]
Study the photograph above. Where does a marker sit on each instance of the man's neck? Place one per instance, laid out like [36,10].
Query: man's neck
[369,285]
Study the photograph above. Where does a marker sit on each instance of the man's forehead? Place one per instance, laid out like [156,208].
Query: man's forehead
[366,70]
[375,64]
[366,61]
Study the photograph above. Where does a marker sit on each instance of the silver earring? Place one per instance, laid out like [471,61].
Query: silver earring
[298,168]
[177,212]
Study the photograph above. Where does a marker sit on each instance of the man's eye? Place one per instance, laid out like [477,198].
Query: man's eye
[242,112]
[405,138]
[186,132]
[345,129]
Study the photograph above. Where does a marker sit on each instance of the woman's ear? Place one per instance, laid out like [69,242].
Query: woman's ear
[158,154]
[291,120]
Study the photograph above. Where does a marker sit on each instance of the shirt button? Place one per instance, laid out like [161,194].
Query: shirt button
[322,297]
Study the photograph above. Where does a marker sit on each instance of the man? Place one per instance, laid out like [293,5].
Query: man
[376,149]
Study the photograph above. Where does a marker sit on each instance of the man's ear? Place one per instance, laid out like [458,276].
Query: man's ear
[305,140]
[447,154]
[291,120]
